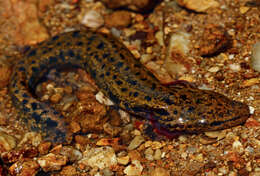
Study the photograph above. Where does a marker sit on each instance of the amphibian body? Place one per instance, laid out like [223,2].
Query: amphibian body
[124,80]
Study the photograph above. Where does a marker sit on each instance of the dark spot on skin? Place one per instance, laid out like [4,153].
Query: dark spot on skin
[25,109]
[106,55]
[55,37]
[51,123]
[148,98]
[34,106]
[88,48]
[102,75]
[16,91]
[78,57]
[114,76]
[61,55]
[71,53]
[98,58]
[127,106]
[103,66]
[58,44]
[175,112]
[123,89]
[122,56]
[35,69]
[135,94]
[198,101]
[76,34]
[111,59]
[137,73]
[21,69]
[79,43]
[143,79]
[33,62]
[132,82]
[127,68]
[36,117]
[168,101]
[183,97]
[191,109]
[25,95]
[100,45]
[119,64]
[32,53]
[153,86]
[93,74]
[162,112]
[25,101]
[119,82]
[216,123]
[107,73]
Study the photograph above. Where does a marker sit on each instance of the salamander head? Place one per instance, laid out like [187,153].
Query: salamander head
[205,110]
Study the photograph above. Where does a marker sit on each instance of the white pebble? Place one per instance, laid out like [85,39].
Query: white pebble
[92,19]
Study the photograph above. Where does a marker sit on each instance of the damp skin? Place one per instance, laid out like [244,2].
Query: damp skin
[124,80]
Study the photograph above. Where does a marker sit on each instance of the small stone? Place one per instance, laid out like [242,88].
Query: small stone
[216,134]
[134,169]
[237,146]
[100,97]
[44,147]
[214,69]
[101,157]
[235,67]
[255,59]
[74,127]
[198,5]
[124,160]
[138,140]
[52,162]
[7,142]
[159,171]
[24,168]
[68,171]
[118,19]
[243,9]
[5,73]
[71,153]
[149,154]
[250,82]
[157,154]
[55,98]
[92,19]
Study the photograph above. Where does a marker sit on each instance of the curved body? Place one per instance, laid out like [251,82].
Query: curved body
[124,80]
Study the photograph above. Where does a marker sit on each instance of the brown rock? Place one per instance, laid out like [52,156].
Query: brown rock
[68,171]
[198,5]
[52,162]
[24,168]
[44,147]
[118,19]
[214,40]
[142,6]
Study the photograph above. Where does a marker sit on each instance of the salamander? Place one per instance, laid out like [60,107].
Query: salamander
[124,80]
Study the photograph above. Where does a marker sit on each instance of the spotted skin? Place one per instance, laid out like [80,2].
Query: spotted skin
[124,80]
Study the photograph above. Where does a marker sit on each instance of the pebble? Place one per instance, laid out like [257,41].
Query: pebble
[101,157]
[52,162]
[134,169]
[138,140]
[71,153]
[157,154]
[235,67]
[159,171]
[237,146]
[44,147]
[7,142]
[198,5]
[68,171]
[118,19]
[24,168]
[149,154]
[124,160]
[92,19]
[255,59]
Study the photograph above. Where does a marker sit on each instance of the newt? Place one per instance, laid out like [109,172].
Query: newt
[124,80]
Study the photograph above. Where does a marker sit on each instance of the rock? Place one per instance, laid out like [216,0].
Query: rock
[142,6]
[123,160]
[198,5]
[118,19]
[44,147]
[138,140]
[71,153]
[24,168]
[101,157]
[255,59]
[68,171]
[7,142]
[134,169]
[52,162]
[214,40]
[92,19]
